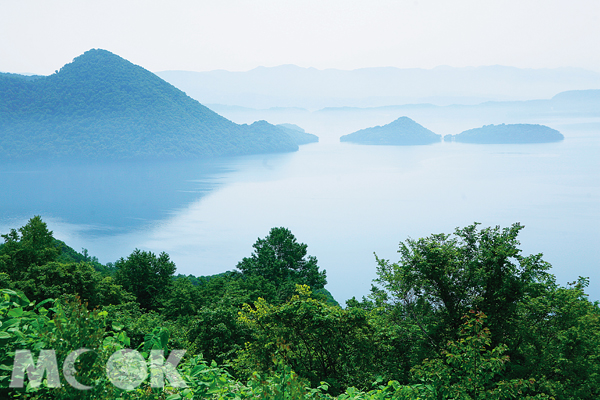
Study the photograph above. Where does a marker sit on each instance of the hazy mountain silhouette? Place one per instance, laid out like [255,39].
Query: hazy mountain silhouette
[292,86]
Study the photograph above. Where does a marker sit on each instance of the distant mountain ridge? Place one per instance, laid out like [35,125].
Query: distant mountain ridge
[102,106]
[293,86]
[403,131]
[587,96]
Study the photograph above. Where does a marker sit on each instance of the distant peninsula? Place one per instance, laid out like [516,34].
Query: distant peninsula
[299,135]
[403,131]
[506,134]
[101,106]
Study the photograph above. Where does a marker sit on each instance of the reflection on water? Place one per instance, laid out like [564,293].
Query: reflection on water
[108,198]
[345,201]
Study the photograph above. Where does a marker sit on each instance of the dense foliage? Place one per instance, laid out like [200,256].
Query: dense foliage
[511,133]
[403,131]
[461,316]
[101,106]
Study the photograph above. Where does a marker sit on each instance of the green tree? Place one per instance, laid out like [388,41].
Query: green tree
[440,277]
[54,279]
[559,341]
[319,341]
[148,277]
[183,299]
[43,267]
[214,329]
[216,333]
[32,244]
[281,261]
[470,368]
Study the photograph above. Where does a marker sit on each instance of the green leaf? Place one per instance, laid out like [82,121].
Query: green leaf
[164,338]
[15,312]
[43,302]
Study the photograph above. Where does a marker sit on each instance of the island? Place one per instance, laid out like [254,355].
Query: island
[401,132]
[101,106]
[507,134]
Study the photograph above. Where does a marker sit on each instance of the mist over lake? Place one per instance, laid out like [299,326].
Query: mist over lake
[345,201]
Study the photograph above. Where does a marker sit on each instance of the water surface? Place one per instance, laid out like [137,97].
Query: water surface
[345,201]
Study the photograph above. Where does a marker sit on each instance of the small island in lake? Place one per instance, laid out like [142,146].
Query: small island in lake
[403,131]
[507,134]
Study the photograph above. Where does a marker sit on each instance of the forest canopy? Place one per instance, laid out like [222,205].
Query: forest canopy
[463,315]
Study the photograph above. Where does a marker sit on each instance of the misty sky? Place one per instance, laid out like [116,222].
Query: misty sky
[199,35]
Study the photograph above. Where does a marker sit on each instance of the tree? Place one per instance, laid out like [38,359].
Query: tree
[469,369]
[146,276]
[32,244]
[560,341]
[54,279]
[319,341]
[282,261]
[44,267]
[216,333]
[440,278]
[183,299]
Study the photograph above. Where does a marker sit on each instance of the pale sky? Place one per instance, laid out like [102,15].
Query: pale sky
[40,36]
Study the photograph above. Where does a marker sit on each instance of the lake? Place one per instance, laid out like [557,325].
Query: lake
[344,201]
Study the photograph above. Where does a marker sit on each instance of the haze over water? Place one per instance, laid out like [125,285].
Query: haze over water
[345,201]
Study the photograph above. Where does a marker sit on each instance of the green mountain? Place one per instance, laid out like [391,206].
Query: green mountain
[403,131]
[503,134]
[299,135]
[101,106]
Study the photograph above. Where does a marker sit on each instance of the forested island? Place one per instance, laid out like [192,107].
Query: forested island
[507,134]
[403,131]
[464,315]
[101,106]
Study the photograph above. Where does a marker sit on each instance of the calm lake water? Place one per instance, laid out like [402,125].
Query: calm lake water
[345,201]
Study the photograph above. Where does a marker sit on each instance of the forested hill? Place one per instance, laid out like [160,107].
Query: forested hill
[403,131]
[102,106]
